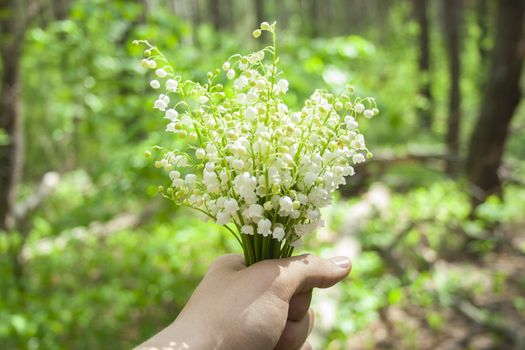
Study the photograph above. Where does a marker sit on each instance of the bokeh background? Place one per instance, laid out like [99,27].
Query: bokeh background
[92,258]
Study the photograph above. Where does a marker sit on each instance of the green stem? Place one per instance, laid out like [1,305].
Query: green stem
[276,247]
[265,251]
[290,252]
[234,234]
[248,259]
[250,240]
[245,251]
[257,241]
[286,250]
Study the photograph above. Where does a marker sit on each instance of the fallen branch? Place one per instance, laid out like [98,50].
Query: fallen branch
[49,182]
[22,222]
[387,255]
[487,321]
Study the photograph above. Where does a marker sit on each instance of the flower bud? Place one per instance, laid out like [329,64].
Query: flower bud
[268,206]
[154,84]
[359,107]
[200,153]
[171,85]
[161,73]
[256,33]
[266,26]
[237,164]
[152,64]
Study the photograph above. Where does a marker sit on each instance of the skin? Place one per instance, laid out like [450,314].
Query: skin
[262,307]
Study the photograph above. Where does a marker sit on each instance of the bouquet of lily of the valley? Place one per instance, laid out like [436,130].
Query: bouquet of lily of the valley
[251,163]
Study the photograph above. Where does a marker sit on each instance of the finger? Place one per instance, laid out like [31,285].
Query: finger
[228,262]
[306,346]
[299,305]
[304,272]
[295,333]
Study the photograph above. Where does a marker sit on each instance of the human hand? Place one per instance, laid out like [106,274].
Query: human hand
[261,307]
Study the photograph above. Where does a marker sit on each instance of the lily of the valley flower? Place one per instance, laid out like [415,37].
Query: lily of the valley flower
[254,164]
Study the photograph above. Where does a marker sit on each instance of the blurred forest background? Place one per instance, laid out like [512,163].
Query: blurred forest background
[92,258]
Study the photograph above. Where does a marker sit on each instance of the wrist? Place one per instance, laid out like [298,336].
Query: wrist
[181,335]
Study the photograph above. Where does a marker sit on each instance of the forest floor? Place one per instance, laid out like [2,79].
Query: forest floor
[492,317]
[458,291]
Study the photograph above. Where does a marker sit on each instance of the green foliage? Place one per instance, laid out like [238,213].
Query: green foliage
[106,293]
[86,114]
[4,138]
[435,217]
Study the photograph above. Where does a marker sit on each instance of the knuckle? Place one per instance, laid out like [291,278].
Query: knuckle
[308,257]
[281,288]
[317,261]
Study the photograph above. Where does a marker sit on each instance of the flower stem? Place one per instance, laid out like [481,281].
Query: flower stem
[247,249]
[257,241]
[265,252]
[276,249]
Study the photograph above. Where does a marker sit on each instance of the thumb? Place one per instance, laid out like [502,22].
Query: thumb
[304,272]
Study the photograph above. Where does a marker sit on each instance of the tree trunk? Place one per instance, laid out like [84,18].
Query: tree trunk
[215,14]
[283,11]
[421,13]
[312,18]
[229,15]
[452,12]
[12,29]
[482,17]
[196,19]
[260,15]
[11,34]
[501,97]
[60,9]
[483,11]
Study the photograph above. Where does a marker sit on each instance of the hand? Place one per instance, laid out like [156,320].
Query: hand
[261,307]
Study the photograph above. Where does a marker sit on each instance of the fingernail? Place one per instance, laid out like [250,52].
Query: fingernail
[341,261]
